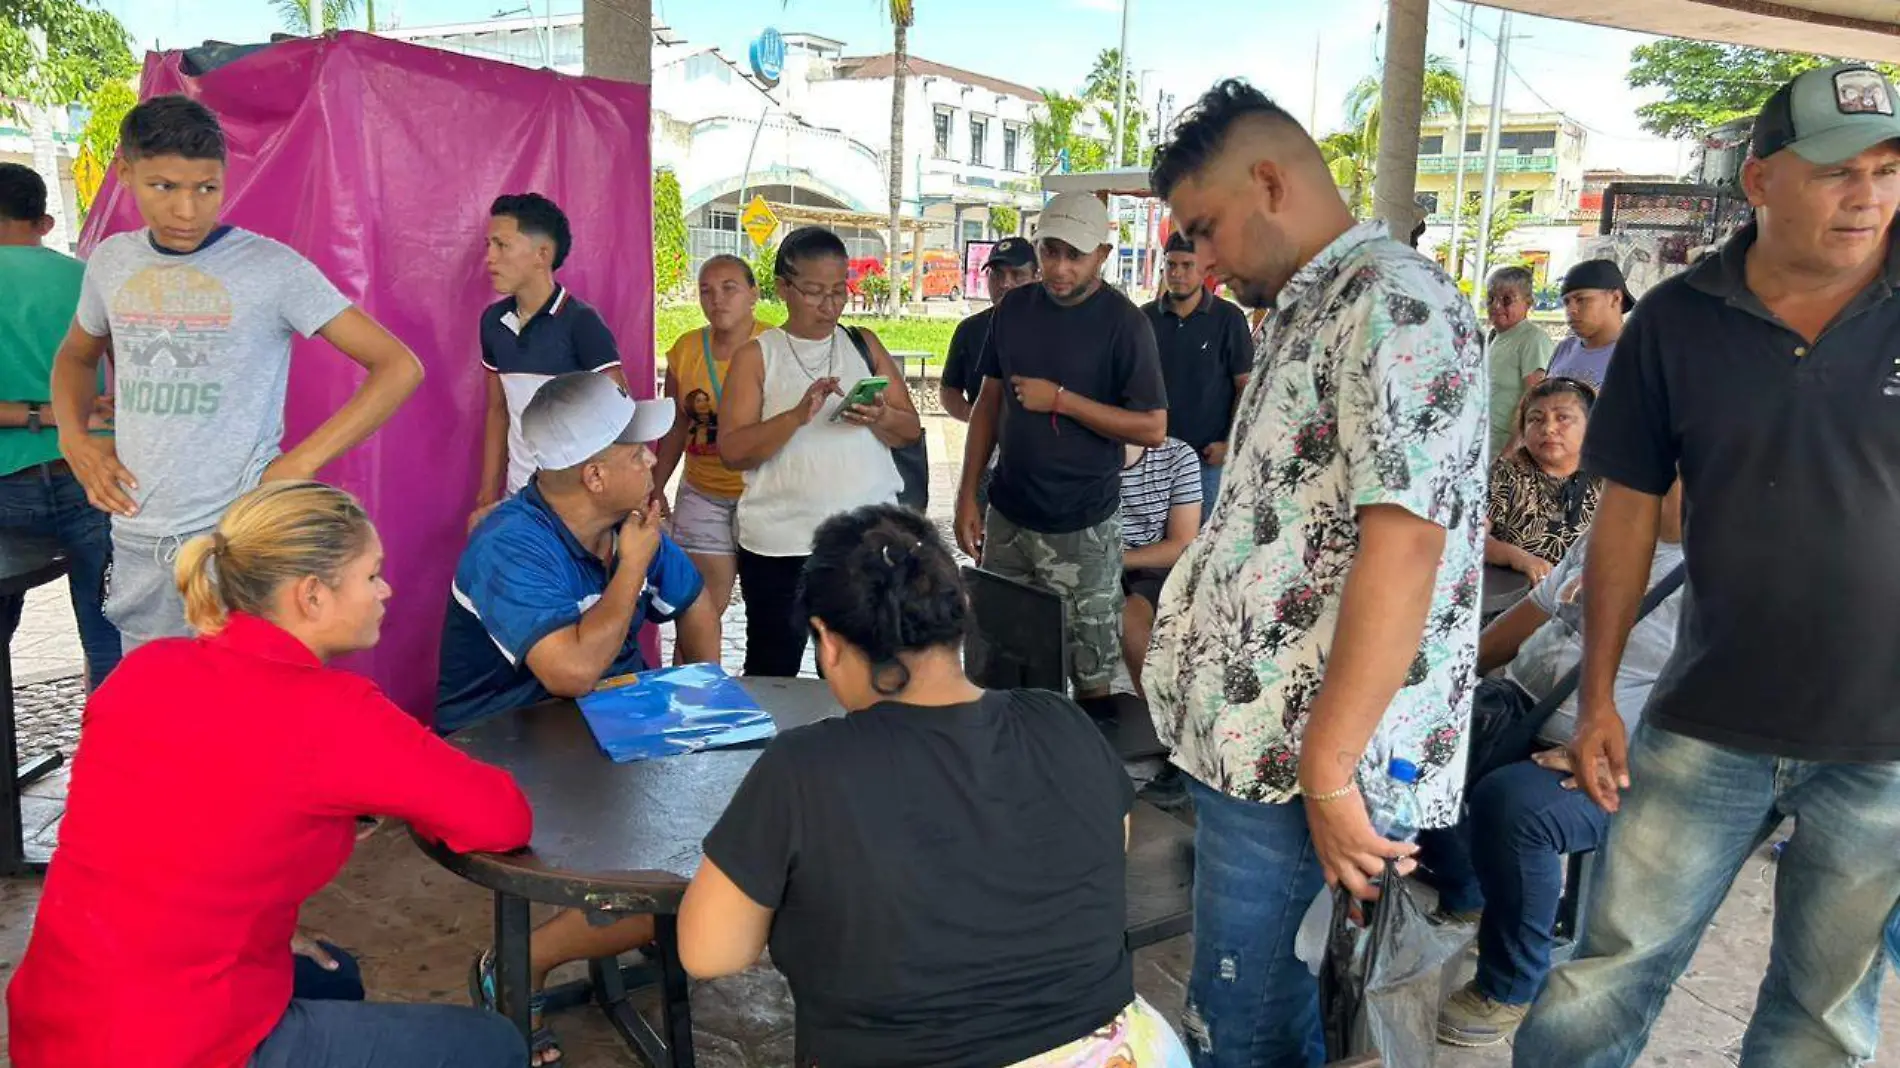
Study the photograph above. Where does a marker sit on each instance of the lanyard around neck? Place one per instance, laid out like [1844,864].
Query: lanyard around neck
[712,367]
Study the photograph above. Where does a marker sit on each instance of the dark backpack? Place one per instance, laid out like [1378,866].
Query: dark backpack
[913,460]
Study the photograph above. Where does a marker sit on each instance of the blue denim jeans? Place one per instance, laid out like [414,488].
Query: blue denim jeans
[1210,489]
[1693,815]
[54,506]
[1507,858]
[364,1034]
[1250,1002]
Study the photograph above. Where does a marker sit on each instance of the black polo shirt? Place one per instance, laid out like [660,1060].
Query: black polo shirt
[966,351]
[1201,354]
[1054,475]
[1789,642]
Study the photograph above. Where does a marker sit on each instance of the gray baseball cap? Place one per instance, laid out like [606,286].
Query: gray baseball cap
[1828,115]
[573,417]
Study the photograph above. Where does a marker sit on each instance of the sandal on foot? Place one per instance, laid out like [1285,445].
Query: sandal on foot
[541,1040]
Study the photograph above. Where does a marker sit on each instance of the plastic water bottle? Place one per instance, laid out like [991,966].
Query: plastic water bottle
[1395,812]
[1392,802]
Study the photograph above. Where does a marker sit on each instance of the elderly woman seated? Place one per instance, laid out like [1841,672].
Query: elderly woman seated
[939,873]
[1541,500]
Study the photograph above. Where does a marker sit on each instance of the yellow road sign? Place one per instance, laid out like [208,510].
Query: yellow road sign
[87,175]
[758,221]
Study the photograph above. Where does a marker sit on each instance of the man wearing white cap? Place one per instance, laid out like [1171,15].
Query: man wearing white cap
[1769,375]
[1070,376]
[552,590]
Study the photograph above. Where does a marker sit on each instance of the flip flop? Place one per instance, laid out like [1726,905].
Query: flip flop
[481,991]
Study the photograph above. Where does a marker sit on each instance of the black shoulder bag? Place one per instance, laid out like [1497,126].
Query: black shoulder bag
[913,460]
[1508,741]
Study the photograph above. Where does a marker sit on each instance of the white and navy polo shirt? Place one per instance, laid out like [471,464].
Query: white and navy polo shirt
[524,576]
[566,335]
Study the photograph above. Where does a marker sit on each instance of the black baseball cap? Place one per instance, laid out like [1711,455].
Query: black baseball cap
[1179,241]
[1599,274]
[1011,252]
[1828,114]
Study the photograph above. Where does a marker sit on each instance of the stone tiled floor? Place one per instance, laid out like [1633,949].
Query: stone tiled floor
[416,927]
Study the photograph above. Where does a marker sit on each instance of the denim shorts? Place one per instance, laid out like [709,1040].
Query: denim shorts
[706,524]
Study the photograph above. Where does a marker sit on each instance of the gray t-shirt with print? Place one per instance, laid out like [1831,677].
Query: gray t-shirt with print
[201,359]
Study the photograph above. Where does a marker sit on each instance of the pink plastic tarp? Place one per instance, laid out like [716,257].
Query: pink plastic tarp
[378,161]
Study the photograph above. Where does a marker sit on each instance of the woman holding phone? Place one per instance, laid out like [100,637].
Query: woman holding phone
[807,454]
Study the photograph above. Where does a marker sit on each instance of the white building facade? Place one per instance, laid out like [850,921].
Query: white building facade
[819,138]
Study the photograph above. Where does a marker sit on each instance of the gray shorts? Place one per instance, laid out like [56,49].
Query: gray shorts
[706,524]
[142,597]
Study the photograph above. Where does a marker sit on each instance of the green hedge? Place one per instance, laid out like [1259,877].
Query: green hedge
[930,335]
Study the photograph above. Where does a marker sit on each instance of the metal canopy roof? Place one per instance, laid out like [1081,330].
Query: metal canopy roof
[1857,29]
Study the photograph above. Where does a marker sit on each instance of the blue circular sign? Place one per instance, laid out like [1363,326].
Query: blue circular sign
[768,56]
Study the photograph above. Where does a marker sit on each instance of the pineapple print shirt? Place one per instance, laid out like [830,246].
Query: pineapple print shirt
[1369,389]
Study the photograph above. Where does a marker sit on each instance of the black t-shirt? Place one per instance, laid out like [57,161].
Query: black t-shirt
[1201,355]
[960,371]
[1789,642]
[949,882]
[1054,475]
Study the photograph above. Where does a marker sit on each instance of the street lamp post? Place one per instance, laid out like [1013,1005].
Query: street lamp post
[1493,129]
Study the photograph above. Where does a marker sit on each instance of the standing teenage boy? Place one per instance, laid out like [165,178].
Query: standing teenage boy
[536,331]
[200,317]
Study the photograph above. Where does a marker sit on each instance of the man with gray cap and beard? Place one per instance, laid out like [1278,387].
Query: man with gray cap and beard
[1769,375]
[1070,376]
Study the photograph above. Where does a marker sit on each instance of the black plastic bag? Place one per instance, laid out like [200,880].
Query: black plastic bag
[1381,986]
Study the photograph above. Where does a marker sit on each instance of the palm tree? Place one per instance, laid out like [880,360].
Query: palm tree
[295,14]
[903,14]
[1355,150]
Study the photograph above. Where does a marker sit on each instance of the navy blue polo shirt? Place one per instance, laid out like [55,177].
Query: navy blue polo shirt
[565,335]
[1789,639]
[524,576]
[1202,353]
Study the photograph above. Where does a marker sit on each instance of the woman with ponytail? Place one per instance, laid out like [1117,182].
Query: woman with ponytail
[940,873]
[165,930]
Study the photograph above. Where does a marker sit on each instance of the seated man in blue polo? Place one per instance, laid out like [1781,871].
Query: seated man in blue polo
[549,598]
[550,594]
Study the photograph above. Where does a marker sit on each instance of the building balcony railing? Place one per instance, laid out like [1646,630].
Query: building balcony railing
[1508,163]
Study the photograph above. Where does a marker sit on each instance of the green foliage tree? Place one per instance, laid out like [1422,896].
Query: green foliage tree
[295,14]
[1504,222]
[1706,84]
[53,52]
[669,232]
[107,105]
[1099,87]
[1005,220]
[1054,137]
[764,258]
[1353,153]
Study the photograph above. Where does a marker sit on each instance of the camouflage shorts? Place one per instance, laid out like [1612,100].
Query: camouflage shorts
[1085,567]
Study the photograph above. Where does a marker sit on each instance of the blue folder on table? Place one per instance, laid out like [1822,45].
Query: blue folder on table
[672,712]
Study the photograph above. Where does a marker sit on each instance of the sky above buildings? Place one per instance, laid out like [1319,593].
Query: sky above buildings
[1177,48]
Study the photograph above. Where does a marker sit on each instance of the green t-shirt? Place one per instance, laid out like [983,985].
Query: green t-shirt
[1514,356]
[42,288]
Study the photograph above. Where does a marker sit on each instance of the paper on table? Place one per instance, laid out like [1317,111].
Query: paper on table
[672,712]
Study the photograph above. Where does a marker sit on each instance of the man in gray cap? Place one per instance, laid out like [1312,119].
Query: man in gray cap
[1070,377]
[1770,376]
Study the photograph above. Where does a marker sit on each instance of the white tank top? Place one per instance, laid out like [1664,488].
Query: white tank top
[826,467]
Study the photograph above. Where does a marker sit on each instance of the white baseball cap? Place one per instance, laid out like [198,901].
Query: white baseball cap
[573,417]
[1079,220]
